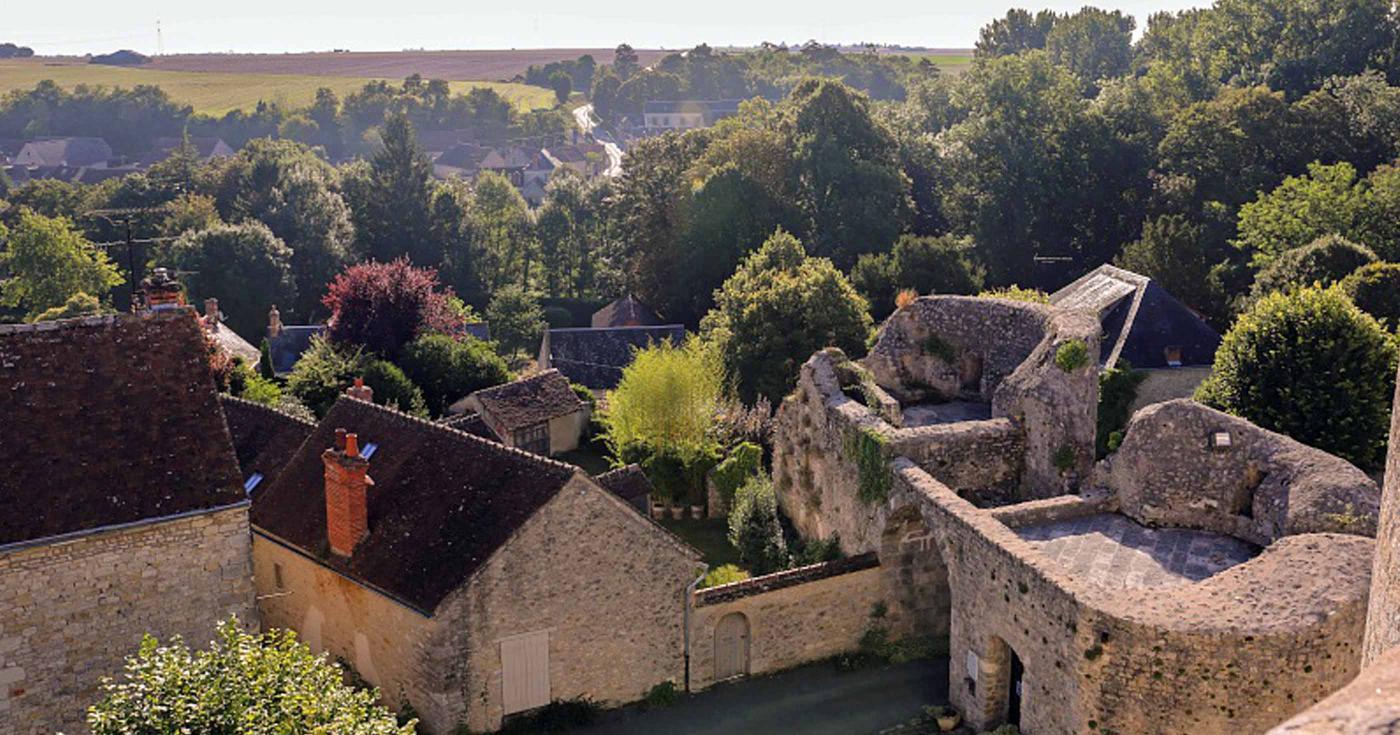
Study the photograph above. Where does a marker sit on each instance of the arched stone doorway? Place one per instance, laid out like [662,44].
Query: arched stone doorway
[731,646]
[916,578]
[1003,681]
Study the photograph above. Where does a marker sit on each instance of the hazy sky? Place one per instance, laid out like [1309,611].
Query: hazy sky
[70,27]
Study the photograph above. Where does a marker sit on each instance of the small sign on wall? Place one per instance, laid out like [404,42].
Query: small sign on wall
[973,663]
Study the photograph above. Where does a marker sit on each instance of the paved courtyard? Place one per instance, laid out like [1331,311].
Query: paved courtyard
[1114,551]
[928,414]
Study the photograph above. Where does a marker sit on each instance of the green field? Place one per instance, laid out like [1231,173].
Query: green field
[945,62]
[218,93]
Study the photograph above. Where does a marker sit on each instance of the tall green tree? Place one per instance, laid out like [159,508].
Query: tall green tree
[516,319]
[246,267]
[45,262]
[1018,31]
[503,243]
[392,204]
[779,284]
[1094,44]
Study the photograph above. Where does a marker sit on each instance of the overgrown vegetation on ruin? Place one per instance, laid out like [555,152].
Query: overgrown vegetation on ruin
[871,451]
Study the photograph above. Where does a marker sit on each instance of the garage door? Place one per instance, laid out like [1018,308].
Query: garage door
[525,671]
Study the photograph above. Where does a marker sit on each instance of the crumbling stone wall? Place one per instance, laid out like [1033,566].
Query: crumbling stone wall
[794,617]
[1240,651]
[71,611]
[1259,488]
[1383,622]
[1369,705]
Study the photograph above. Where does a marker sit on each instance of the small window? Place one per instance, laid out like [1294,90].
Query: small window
[533,439]
[369,450]
[277,577]
[1172,355]
[252,482]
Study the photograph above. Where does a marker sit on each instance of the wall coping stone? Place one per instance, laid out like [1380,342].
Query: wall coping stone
[782,580]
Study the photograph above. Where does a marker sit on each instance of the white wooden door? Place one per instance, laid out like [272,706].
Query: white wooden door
[525,671]
[731,646]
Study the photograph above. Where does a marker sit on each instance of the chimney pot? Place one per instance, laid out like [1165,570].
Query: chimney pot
[274,322]
[360,391]
[340,439]
[352,445]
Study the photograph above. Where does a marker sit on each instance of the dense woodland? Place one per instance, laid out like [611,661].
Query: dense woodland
[1230,152]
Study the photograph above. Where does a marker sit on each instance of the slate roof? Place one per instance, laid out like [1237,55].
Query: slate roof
[596,357]
[1140,319]
[206,147]
[463,155]
[233,344]
[529,401]
[625,312]
[471,423]
[442,502]
[629,483]
[264,439]
[286,348]
[108,420]
[73,151]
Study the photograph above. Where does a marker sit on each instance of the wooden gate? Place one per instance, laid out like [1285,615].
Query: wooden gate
[731,646]
[525,672]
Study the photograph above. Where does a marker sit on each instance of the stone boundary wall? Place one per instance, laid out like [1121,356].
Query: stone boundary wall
[1166,384]
[1050,510]
[1369,705]
[1383,620]
[71,611]
[983,460]
[1241,651]
[803,615]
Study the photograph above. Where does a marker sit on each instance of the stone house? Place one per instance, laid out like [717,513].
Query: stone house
[540,414]
[1146,327]
[206,149]
[122,511]
[469,580]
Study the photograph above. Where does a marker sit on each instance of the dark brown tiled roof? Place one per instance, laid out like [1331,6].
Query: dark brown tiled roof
[442,502]
[471,423]
[625,312]
[264,438]
[628,483]
[109,420]
[529,401]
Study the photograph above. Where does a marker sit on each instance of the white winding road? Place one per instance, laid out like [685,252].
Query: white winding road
[584,116]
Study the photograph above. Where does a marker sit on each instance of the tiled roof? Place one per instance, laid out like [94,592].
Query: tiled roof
[233,344]
[205,147]
[463,155]
[596,357]
[1140,319]
[109,420]
[470,423]
[625,312]
[442,502]
[529,401]
[286,348]
[71,151]
[264,439]
[629,483]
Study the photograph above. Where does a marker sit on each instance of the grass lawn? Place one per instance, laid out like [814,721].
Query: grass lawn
[215,93]
[709,536]
[945,62]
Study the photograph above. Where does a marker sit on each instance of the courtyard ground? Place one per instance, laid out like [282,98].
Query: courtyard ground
[812,700]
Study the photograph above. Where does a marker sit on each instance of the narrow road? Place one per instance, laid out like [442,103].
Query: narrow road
[583,114]
[812,700]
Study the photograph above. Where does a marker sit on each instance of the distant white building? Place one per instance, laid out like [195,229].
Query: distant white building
[686,114]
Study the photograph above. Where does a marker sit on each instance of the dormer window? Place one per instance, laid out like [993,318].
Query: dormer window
[1172,353]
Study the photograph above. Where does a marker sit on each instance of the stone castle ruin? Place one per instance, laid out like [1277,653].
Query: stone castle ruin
[1208,576]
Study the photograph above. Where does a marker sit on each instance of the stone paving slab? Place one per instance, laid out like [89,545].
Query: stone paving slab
[1112,550]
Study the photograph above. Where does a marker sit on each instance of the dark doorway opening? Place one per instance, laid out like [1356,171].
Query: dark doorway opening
[1013,704]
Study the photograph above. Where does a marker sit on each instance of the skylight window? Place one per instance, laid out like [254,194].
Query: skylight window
[252,482]
[369,450]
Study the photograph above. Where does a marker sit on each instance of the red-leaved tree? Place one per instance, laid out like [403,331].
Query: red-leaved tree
[383,306]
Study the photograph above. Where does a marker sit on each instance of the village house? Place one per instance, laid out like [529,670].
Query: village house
[625,312]
[1147,328]
[662,115]
[71,152]
[206,149]
[595,358]
[227,339]
[122,509]
[464,578]
[540,414]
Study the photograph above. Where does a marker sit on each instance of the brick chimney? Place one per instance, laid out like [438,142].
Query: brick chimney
[211,314]
[361,391]
[347,494]
[162,291]
[274,322]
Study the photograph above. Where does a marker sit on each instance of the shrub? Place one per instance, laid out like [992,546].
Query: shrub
[1065,458]
[1118,388]
[557,317]
[666,400]
[1016,293]
[392,388]
[1072,355]
[79,304]
[261,390]
[743,462]
[678,473]
[384,306]
[870,449]
[265,368]
[754,528]
[323,373]
[940,348]
[664,694]
[1375,289]
[1311,365]
[242,683]
[816,551]
[448,368]
[723,574]
[1326,260]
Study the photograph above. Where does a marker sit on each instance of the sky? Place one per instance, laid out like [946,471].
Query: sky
[74,27]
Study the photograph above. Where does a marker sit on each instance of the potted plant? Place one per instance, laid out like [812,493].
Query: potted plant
[658,510]
[946,717]
[677,512]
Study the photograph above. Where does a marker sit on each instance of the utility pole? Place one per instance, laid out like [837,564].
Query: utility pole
[135,260]
[160,40]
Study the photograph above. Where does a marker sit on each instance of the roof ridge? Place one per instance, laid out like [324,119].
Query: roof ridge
[90,320]
[616,329]
[266,408]
[487,443]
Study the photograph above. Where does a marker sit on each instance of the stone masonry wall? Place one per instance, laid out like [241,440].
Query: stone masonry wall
[607,584]
[72,611]
[1239,652]
[389,644]
[1383,621]
[1261,487]
[791,625]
